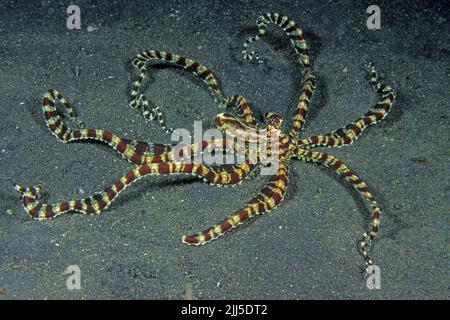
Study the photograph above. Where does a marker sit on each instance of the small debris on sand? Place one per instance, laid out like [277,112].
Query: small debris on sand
[91,29]
[345,71]
[188,291]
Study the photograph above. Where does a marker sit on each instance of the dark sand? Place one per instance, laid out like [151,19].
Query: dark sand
[304,249]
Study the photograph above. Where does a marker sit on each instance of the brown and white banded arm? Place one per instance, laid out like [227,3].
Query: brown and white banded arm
[38,209]
[267,199]
[309,84]
[340,168]
[348,134]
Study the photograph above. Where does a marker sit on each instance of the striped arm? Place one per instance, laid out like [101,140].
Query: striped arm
[292,30]
[190,152]
[348,134]
[100,201]
[136,152]
[309,84]
[337,165]
[240,105]
[51,115]
[225,175]
[199,70]
[151,113]
[218,175]
[267,199]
